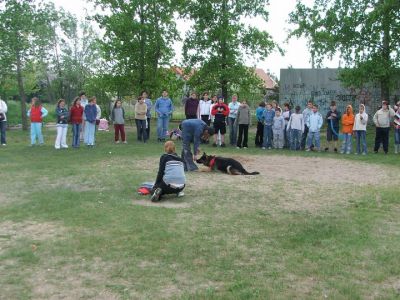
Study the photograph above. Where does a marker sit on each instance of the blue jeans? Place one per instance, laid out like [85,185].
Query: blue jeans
[313,136]
[90,129]
[3,127]
[187,154]
[295,139]
[232,131]
[162,127]
[36,132]
[347,143]
[267,139]
[397,136]
[76,129]
[361,141]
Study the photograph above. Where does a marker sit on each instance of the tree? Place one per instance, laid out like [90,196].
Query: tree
[365,33]
[138,39]
[219,40]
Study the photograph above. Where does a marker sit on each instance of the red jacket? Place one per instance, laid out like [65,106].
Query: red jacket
[75,114]
[36,114]
[220,111]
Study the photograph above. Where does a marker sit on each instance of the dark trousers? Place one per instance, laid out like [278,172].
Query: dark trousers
[382,136]
[3,127]
[243,130]
[148,128]
[259,134]
[167,189]
[119,129]
[191,117]
[206,119]
[304,138]
[141,130]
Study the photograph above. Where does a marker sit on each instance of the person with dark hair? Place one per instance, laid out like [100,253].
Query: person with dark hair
[84,102]
[164,109]
[193,131]
[75,118]
[149,105]
[233,110]
[382,120]
[140,119]
[243,121]
[62,114]
[205,109]
[286,116]
[260,125]
[192,107]
[332,118]
[220,111]
[90,122]
[3,121]
[306,114]
[296,128]
[118,119]
[36,113]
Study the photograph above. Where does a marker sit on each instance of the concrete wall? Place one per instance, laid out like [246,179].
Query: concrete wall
[297,86]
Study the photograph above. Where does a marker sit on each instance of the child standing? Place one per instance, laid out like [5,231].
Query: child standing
[332,117]
[36,114]
[75,115]
[360,128]
[314,123]
[382,122]
[243,120]
[268,118]
[118,119]
[90,122]
[260,126]
[278,129]
[296,128]
[220,111]
[286,116]
[140,119]
[347,129]
[62,125]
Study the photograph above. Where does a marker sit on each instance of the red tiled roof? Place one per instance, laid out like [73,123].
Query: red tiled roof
[269,83]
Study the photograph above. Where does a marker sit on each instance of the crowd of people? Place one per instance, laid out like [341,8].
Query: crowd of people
[276,127]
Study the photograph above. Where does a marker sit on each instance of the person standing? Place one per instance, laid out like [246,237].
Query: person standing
[278,129]
[233,110]
[90,122]
[396,125]
[36,114]
[332,118]
[75,117]
[140,119]
[193,131]
[306,113]
[260,125]
[314,124]
[164,109]
[286,116]
[3,122]
[220,111]
[243,121]
[268,119]
[360,128]
[205,109]
[296,128]
[382,122]
[62,115]
[192,107]
[118,119]
[347,129]
[149,105]
[84,102]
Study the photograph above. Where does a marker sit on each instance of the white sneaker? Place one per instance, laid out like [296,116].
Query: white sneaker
[64,147]
[4,144]
[263,148]
[237,147]
[117,142]
[181,194]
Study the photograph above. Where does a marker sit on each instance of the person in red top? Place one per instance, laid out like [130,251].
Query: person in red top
[75,117]
[36,114]
[220,111]
[347,129]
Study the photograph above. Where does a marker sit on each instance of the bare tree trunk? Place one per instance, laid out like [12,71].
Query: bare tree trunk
[21,93]
[385,79]
[142,47]
[224,65]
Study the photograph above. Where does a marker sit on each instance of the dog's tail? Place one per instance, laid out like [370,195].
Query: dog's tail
[250,173]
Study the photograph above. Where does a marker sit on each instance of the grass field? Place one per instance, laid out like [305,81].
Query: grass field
[311,226]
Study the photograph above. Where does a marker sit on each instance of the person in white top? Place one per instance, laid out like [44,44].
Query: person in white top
[3,121]
[296,126]
[205,109]
[360,129]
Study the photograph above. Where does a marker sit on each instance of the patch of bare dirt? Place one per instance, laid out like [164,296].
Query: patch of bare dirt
[166,202]
[12,231]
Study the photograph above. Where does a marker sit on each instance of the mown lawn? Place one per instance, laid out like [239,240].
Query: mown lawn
[311,226]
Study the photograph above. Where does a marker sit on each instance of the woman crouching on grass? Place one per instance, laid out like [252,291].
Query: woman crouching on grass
[171,175]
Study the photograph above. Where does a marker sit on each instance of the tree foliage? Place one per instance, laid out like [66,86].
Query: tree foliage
[365,33]
[219,41]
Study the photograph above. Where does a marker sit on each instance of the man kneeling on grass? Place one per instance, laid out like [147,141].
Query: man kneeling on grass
[171,175]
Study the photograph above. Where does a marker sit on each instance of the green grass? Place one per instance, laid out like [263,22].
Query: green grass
[70,228]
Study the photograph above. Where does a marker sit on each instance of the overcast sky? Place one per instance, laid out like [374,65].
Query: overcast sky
[296,54]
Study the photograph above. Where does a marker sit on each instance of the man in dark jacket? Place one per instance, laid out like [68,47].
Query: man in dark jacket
[193,131]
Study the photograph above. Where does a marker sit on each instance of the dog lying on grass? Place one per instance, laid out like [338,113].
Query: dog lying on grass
[226,165]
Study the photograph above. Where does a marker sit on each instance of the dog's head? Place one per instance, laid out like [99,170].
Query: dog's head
[205,159]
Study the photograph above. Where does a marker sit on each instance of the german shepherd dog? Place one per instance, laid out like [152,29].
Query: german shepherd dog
[226,165]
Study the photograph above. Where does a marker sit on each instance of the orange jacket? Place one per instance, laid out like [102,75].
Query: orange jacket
[348,120]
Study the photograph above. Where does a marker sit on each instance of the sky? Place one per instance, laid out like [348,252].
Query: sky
[296,52]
